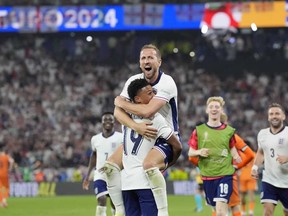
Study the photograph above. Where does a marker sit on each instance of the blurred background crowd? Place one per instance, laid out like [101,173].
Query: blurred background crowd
[54,88]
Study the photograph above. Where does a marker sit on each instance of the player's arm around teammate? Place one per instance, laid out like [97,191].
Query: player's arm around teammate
[165,101]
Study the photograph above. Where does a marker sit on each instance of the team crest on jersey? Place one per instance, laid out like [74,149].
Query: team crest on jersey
[224,153]
[281,141]
[114,145]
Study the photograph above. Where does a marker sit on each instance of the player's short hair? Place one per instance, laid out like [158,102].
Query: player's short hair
[107,113]
[135,86]
[272,105]
[151,46]
[217,99]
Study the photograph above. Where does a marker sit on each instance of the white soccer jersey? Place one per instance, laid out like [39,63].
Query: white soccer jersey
[104,147]
[166,89]
[274,145]
[136,148]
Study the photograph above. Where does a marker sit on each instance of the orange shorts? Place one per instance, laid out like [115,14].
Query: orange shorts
[249,184]
[234,199]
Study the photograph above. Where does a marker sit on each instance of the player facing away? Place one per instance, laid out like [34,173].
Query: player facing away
[137,182]
[273,152]
[103,145]
[214,143]
[6,166]
[164,102]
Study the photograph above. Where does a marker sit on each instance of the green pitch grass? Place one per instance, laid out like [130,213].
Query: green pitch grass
[85,205]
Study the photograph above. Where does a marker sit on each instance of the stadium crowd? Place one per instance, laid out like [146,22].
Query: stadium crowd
[55,87]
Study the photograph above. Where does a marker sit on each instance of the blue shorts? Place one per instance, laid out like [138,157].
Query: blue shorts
[139,202]
[218,190]
[166,149]
[100,188]
[271,194]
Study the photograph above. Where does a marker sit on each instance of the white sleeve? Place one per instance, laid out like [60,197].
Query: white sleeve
[93,143]
[167,90]
[164,130]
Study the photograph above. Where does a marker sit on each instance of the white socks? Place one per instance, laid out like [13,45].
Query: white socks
[158,187]
[101,211]
[113,179]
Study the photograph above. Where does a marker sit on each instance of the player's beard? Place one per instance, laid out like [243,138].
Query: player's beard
[276,124]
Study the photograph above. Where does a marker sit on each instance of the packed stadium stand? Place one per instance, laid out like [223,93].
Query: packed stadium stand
[54,87]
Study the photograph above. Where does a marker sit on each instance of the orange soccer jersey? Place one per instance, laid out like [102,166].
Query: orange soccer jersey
[246,181]
[4,178]
[247,155]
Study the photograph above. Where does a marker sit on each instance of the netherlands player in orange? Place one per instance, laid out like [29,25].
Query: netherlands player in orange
[247,155]
[248,186]
[6,165]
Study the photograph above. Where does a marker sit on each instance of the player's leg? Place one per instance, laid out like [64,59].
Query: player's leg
[101,206]
[243,191]
[283,197]
[251,187]
[101,191]
[223,194]
[147,203]
[268,208]
[221,208]
[234,202]
[132,203]
[156,160]
[198,199]
[1,192]
[112,169]
[269,198]
[243,203]
[4,191]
